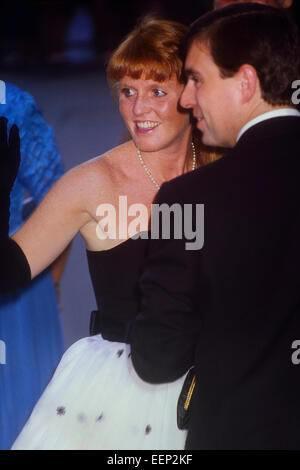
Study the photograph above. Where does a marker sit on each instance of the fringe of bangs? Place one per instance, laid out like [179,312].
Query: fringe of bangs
[158,72]
[138,64]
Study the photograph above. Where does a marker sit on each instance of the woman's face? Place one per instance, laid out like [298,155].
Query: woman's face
[151,112]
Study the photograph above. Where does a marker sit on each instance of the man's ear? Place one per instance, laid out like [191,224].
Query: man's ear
[248,82]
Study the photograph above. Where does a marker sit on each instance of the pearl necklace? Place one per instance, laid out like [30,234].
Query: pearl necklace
[149,172]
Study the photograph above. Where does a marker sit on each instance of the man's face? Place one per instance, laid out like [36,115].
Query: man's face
[215,101]
[273,3]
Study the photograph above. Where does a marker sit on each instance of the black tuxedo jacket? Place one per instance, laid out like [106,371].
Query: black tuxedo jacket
[233,307]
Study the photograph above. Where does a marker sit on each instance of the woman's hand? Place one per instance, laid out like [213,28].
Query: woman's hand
[9,165]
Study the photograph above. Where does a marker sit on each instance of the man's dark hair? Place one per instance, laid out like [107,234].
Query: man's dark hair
[249,33]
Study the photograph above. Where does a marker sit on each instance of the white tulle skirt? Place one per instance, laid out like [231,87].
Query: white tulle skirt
[95,400]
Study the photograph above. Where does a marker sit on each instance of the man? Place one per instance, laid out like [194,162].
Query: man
[233,307]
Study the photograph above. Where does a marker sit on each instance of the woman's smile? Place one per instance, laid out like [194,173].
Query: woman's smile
[146,127]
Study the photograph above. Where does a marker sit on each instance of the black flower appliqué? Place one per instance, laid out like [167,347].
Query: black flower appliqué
[148,429]
[60,410]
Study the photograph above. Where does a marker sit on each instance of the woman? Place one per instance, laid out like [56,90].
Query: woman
[34,342]
[95,399]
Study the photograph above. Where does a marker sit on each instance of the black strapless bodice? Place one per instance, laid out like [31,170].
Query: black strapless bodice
[115,274]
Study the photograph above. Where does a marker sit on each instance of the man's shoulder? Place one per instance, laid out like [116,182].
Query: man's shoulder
[271,132]
[262,144]
[203,180]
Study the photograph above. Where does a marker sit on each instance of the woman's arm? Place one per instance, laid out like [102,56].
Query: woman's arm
[55,221]
[41,164]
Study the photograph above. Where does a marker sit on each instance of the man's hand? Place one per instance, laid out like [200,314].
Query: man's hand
[9,164]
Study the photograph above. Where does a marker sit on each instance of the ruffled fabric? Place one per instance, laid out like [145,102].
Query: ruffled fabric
[96,401]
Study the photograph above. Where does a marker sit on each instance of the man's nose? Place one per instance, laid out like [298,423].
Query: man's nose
[187,99]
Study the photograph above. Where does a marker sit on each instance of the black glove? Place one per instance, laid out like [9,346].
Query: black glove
[14,267]
[9,165]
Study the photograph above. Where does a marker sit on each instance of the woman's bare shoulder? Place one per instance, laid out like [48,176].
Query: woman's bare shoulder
[97,179]
[103,168]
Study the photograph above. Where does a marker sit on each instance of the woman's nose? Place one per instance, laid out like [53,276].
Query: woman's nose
[141,105]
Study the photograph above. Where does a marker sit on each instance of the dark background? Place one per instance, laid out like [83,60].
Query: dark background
[39,31]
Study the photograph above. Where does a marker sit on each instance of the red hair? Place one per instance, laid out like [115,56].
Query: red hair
[151,50]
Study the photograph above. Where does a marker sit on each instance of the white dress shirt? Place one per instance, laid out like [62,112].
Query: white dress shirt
[269,115]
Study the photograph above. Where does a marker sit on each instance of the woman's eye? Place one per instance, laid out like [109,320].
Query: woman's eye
[158,92]
[127,92]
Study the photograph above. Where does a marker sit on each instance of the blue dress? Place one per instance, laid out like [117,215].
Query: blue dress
[30,329]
